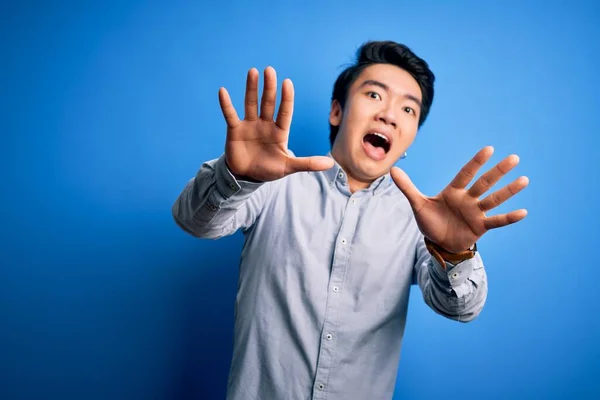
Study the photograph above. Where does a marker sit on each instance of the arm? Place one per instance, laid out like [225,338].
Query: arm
[457,292]
[215,204]
[452,222]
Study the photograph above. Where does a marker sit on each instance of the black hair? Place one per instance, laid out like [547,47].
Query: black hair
[384,52]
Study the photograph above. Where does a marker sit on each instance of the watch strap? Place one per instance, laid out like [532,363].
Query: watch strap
[442,255]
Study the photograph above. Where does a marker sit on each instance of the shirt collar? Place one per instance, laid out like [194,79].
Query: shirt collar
[337,174]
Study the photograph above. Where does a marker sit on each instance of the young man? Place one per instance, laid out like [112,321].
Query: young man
[333,243]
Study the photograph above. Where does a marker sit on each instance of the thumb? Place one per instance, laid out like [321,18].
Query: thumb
[414,196]
[300,164]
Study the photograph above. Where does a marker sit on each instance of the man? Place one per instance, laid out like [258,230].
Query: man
[333,243]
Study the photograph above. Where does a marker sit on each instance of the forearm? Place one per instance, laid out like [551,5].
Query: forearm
[458,292]
[214,204]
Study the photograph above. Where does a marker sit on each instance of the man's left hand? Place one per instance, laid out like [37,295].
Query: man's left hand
[456,218]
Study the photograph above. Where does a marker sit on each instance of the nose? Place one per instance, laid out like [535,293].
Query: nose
[387,116]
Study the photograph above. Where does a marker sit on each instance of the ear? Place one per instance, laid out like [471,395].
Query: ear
[335,115]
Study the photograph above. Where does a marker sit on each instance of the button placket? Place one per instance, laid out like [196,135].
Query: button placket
[338,271]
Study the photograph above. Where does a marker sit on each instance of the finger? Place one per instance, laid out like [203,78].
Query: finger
[501,220]
[251,100]
[414,196]
[489,179]
[286,108]
[300,164]
[500,196]
[267,106]
[231,117]
[468,172]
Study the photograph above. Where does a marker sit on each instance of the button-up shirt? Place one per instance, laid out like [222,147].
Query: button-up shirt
[324,280]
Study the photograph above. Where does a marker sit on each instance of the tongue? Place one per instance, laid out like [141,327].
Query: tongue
[376,153]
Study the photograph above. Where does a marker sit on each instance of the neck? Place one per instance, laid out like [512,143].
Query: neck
[354,183]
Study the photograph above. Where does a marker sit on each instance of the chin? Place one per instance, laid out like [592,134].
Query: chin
[370,169]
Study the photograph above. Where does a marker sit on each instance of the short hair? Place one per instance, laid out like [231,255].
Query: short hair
[384,52]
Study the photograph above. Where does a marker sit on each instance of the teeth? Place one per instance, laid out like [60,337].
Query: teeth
[380,135]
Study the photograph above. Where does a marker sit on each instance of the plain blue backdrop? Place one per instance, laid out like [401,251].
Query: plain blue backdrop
[108,109]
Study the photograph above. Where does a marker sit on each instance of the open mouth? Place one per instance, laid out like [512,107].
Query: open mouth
[377,141]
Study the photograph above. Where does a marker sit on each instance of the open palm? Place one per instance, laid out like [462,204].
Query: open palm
[456,218]
[257,147]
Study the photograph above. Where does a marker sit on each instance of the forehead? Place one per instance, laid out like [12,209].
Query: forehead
[398,80]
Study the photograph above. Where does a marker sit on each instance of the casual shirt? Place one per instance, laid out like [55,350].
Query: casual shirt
[324,280]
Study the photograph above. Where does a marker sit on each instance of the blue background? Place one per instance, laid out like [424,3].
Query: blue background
[108,109]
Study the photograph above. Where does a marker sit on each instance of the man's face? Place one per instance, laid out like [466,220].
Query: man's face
[384,100]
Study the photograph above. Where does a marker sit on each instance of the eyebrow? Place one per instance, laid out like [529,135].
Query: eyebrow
[371,82]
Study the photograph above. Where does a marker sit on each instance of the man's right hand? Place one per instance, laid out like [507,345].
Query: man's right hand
[256,147]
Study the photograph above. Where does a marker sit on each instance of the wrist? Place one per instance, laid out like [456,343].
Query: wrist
[442,255]
[239,177]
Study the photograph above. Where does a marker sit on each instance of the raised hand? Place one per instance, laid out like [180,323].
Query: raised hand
[456,218]
[257,147]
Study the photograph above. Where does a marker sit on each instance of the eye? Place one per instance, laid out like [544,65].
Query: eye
[374,95]
[409,110]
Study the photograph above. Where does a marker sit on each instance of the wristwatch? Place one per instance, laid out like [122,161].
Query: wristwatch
[442,255]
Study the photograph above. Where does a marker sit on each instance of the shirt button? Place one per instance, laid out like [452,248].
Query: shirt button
[336,289]
[353,201]
[321,386]
[231,185]
[329,336]
[341,175]
[344,241]
[455,275]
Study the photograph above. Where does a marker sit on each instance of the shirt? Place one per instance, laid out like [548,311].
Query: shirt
[324,280]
